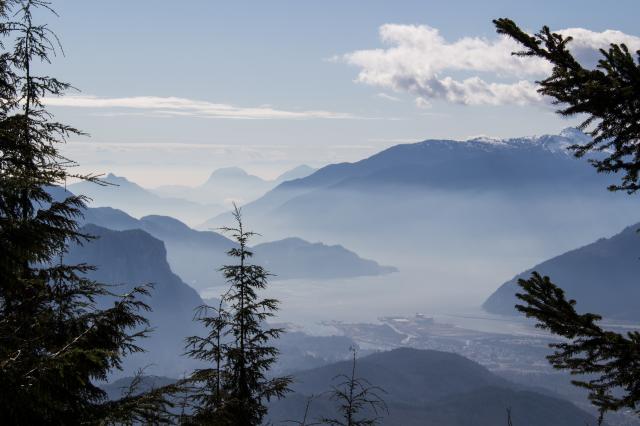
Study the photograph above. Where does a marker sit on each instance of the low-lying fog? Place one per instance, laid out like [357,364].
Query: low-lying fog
[449,262]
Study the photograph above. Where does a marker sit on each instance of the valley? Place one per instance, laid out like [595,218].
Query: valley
[449,255]
[319,213]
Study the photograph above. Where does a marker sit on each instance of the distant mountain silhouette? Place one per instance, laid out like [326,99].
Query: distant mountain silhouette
[601,276]
[125,259]
[479,164]
[470,200]
[431,388]
[230,184]
[138,201]
[231,173]
[196,256]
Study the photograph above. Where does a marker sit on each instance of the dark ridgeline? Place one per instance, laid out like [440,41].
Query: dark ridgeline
[234,391]
[55,344]
[609,96]
[424,388]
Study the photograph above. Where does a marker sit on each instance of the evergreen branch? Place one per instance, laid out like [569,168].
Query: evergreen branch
[613,358]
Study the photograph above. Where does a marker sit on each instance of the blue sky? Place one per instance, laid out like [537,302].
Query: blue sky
[289,67]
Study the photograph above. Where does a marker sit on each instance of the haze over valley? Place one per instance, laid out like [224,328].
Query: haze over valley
[349,242]
[454,231]
[320,213]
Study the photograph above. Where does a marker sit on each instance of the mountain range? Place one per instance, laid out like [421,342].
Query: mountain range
[120,193]
[601,276]
[456,212]
[190,204]
[231,184]
[516,166]
[196,256]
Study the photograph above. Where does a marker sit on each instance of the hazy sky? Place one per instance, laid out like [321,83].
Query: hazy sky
[172,90]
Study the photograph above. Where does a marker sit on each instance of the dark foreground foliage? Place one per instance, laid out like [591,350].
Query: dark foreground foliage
[611,360]
[54,343]
[609,96]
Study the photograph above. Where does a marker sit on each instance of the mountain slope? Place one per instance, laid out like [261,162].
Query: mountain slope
[477,164]
[125,259]
[125,195]
[601,276]
[295,173]
[430,388]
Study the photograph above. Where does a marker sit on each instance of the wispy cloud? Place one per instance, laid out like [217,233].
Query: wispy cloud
[153,164]
[387,97]
[182,107]
[470,71]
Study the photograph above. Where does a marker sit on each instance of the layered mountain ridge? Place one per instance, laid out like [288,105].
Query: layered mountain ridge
[196,256]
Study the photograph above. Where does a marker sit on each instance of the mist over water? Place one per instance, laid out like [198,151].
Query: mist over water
[452,250]
[253,239]
[333,237]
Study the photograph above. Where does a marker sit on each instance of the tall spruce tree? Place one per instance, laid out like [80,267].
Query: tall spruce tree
[54,343]
[235,390]
[609,95]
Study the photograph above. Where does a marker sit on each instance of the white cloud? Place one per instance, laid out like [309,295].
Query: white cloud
[418,60]
[586,44]
[174,107]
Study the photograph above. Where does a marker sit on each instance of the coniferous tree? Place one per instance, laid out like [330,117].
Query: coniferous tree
[205,386]
[54,343]
[235,390]
[609,96]
[610,360]
[355,395]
